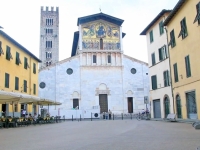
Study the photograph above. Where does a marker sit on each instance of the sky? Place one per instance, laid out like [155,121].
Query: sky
[21,20]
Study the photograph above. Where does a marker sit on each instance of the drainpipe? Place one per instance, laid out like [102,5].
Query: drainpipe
[170,69]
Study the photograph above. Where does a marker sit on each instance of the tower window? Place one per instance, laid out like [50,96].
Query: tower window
[48,54]
[48,44]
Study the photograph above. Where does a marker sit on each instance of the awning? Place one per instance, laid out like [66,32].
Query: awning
[8,97]
[45,102]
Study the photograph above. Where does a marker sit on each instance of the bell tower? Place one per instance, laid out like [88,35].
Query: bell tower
[49,36]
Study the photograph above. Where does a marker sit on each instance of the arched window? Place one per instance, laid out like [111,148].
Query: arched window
[101,43]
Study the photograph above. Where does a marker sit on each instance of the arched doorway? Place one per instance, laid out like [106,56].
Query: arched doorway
[166,106]
[178,106]
[191,105]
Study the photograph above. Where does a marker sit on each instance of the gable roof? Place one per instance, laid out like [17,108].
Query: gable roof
[98,16]
[18,45]
[154,21]
[174,11]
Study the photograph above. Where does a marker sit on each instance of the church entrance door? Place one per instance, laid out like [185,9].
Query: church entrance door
[103,102]
[130,105]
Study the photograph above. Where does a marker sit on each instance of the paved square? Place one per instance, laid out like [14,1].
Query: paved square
[102,135]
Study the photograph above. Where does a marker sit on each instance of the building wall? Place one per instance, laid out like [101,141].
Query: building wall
[188,46]
[54,37]
[86,81]
[158,69]
[10,67]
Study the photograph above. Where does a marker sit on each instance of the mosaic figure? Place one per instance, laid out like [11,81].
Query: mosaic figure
[116,34]
[84,45]
[84,33]
[100,32]
[118,45]
[91,30]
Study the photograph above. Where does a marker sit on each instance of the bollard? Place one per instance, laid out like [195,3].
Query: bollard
[80,117]
[72,117]
[131,116]
[113,116]
[91,116]
[122,116]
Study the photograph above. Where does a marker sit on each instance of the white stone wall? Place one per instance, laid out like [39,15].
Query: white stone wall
[85,82]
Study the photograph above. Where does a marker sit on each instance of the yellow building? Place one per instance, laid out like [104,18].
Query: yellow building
[18,75]
[183,26]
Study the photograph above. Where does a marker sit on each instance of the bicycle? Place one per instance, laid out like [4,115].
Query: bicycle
[141,116]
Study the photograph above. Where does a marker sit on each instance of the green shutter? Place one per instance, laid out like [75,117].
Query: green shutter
[175,72]
[151,36]
[25,86]
[16,83]
[187,64]
[34,88]
[153,59]
[17,58]
[154,82]
[161,27]
[160,54]
[6,80]
[7,52]
[34,68]
[25,63]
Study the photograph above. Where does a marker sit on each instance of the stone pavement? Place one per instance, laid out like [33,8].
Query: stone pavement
[102,135]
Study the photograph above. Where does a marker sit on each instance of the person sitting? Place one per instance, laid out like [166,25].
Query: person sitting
[35,118]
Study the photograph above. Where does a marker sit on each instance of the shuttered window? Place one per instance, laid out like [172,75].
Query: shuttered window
[16,83]
[197,18]
[151,36]
[17,61]
[172,39]
[7,76]
[187,66]
[162,53]
[1,50]
[175,72]
[26,63]
[161,28]
[34,88]
[183,31]
[166,78]
[154,82]
[8,53]
[153,59]
[34,68]
[25,86]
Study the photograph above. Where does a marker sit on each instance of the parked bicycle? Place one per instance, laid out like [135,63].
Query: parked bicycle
[143,115]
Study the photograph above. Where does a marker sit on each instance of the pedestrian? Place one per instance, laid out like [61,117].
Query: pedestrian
[110,114]
[103,115]
[106,115]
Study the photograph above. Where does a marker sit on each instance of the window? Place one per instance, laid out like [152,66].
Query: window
[151,36]
[48,63]
[197,18]
[153,59]
[48,54]
[183,31]
[17,61]
[162,53]
[101,43]
[49,31]
[34,68]
[109,58]
[16,83]
[166,78]
[49,21]
[154,82]
[25,86]
[161,27]
[48,44]
[34,88]
[187,66]
[76,103]
[8,53]
[42,85]
[7,80]
[26,63]
[175,72]
[172,39]
[69,71]
[94,59]
[1,50]
[133,70]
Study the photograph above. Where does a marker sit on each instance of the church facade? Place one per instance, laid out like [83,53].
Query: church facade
[97,74]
